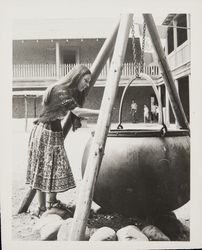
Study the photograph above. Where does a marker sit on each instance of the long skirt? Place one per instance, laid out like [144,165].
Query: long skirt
[48,166]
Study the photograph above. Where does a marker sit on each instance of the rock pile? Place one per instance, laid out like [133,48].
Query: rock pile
[55,224]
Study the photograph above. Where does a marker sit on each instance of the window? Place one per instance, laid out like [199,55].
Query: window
[181,33]
[163,95]
[170,40]
[69,57]
[183,84]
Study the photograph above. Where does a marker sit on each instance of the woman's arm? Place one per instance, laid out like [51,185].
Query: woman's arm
[83,112]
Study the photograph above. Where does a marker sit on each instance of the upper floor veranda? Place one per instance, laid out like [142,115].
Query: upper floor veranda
[39,60]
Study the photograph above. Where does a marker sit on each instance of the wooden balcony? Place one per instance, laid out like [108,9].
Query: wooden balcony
[44,72]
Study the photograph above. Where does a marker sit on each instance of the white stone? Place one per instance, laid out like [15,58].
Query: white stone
[95,207]
[50,230]
[46,219]
[63,233]
[154,234]
[58,211]
[131,233]
[104,234]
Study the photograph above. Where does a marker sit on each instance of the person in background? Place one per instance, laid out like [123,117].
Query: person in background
[153,112]
[146,114]
[157,113]
[48,170]
[133,110]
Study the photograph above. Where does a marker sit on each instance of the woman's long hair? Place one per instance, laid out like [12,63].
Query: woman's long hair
[71,80]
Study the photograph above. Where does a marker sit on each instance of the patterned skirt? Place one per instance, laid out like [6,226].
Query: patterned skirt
[48,166]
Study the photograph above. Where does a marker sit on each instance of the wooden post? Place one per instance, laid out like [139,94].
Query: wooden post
[166,73]
[97,149]
[188,30]
[95,69]
[160,119]
[167,114]
[174,23]
[177,88]
[35,98]
[26,113]
[57,63]
[27,201]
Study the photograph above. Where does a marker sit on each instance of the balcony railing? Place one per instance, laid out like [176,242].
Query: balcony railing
[49,71]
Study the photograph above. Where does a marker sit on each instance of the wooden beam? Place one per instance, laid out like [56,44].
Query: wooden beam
[26,113]
[57,59]
[35,99]
[98,144]
[27,201]
[96,69]
[166,73]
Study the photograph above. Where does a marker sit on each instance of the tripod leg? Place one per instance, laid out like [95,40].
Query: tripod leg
[27,201]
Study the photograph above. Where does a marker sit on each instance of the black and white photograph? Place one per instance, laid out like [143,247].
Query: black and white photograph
[104,118]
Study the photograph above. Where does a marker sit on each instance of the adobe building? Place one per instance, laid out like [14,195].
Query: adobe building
[45,50]
[177,49]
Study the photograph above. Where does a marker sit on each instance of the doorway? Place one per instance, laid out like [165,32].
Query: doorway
[183,85]
[69,57]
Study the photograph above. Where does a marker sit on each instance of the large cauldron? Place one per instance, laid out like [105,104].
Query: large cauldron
[142,172]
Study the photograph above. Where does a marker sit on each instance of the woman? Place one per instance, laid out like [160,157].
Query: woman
[48,166]
[133,110]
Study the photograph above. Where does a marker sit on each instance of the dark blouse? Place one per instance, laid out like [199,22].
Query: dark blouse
[62,100]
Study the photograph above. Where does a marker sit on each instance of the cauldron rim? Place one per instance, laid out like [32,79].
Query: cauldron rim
[146,133]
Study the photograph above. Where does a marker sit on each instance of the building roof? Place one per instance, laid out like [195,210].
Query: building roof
[72,28]
[162,31]
[168,19]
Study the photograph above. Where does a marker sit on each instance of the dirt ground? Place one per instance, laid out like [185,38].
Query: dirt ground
[23,224]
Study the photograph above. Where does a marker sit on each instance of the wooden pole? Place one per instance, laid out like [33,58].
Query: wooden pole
[26,113]
[84,202]
[57,62]
[35,97]
[95,69]
[27,201]
[103,56]
[166,73]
